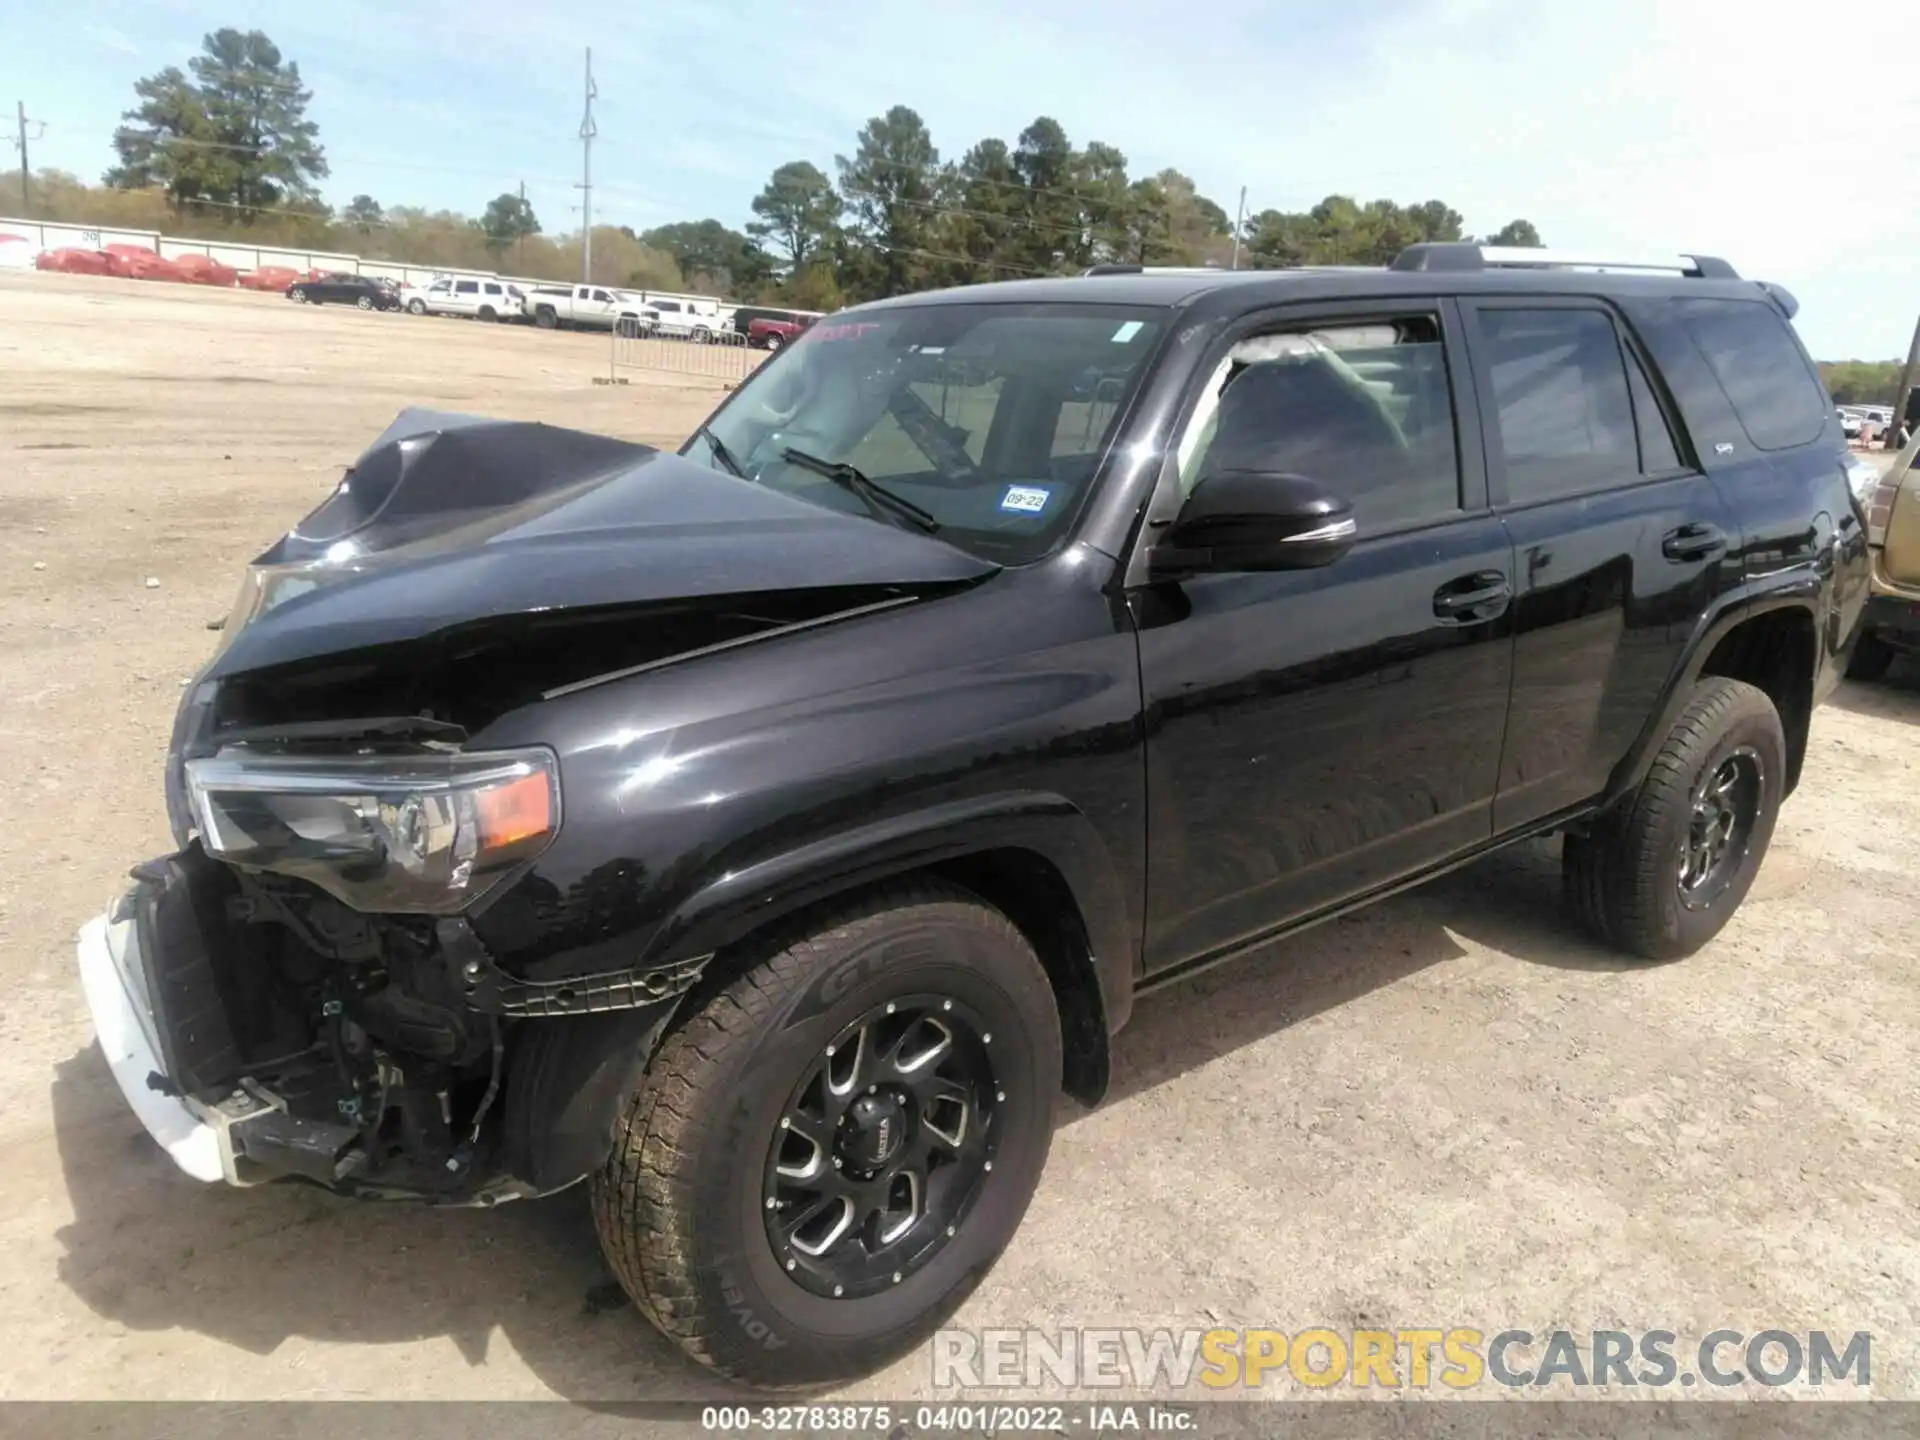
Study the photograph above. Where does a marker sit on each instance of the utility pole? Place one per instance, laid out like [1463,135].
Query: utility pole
[26,195]
[1238,221]
[520,239]
[587,131]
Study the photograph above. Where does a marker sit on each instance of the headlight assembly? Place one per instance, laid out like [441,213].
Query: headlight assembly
[424,834]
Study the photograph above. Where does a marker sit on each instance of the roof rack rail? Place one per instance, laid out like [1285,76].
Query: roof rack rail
[1458,257]
[1154,270]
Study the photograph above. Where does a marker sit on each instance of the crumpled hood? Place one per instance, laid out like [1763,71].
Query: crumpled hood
[449,519]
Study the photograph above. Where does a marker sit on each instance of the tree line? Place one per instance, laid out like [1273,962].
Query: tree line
[224,149]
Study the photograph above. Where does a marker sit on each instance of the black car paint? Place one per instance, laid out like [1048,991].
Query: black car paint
[1195,767]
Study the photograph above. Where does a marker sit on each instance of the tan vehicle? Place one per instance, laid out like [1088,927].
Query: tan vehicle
[1891,624]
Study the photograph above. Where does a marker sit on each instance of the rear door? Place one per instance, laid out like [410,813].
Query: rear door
[465,299]
[1620,539]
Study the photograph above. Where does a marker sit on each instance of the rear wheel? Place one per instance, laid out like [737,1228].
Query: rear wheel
[774,342]
[365,302]
[824,1161]
[1871,659]
[487,313]
[701,335]
[1662,874]
[416,307]
[546,317]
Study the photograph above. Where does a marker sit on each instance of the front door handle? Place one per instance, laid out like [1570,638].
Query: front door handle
[1692,543]
[1472,598]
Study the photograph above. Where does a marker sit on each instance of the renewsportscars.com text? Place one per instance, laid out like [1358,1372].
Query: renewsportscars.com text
[1457,1358]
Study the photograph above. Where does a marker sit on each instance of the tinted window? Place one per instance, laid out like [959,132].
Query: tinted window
[1565,421]
[492,289]
[467,287]
[1658,452]
[1761,369]
[1363,408]
[673,305]
[992,418]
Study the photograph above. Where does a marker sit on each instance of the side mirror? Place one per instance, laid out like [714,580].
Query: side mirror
[1251,520]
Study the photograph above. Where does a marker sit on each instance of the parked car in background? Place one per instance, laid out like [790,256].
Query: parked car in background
[1891,626]
[766,333]
[695,320]
[366,292]
[205,270]
[71,260]
[1851,422]
[276,278]
[591,307]
[475,297]
[134,262]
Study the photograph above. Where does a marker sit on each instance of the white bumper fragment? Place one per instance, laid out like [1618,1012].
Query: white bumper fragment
[114,978]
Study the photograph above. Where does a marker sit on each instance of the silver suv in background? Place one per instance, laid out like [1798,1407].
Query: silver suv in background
[477,297]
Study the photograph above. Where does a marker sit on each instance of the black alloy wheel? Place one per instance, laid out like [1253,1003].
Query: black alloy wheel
[1725,806]
[883,1147]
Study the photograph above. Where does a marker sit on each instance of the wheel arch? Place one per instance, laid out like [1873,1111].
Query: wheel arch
[1771,641]
[1033,856]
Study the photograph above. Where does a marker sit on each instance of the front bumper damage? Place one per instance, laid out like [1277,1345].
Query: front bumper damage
[523,1106]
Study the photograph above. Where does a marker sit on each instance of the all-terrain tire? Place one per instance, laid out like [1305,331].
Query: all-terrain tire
[1871,659]
[1622,880]
[546,317]
[678,1204]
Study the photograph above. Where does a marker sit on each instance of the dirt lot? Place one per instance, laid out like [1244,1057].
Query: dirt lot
[1443,1112]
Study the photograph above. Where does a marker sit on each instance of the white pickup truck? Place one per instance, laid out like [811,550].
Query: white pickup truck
[595,306]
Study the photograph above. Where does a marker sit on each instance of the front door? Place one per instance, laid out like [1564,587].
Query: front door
[1315,734]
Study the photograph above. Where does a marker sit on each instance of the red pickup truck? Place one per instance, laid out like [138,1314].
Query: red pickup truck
[764,333]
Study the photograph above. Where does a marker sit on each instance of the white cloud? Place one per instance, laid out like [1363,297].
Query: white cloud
[108,38]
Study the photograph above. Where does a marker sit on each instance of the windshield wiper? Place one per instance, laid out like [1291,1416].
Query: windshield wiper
[879,499]
[720,452]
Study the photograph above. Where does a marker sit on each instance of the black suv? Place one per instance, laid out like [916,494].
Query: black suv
[765,833]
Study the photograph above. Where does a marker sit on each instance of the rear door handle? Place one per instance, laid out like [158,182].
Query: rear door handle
[1471,598]
[1698,541]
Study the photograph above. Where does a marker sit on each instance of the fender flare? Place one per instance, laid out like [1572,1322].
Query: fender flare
[741,901]
[1795,591]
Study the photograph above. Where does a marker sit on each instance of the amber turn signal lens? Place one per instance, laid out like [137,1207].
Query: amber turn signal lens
[519,810]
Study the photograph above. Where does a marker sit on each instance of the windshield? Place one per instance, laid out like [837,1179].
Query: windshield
[990,419]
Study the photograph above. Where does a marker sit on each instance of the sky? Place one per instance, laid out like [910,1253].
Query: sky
[1632,127]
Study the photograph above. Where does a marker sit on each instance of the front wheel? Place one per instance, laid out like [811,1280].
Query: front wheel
[701,335]
[1660,876]
[297,295]
[826,1158]
[774,342]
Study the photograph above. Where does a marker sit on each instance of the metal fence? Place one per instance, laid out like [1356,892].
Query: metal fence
[723,360]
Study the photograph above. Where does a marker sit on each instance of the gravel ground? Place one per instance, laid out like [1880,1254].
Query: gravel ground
[1444,1111]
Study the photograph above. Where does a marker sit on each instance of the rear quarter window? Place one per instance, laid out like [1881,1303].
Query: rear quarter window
[1760,367]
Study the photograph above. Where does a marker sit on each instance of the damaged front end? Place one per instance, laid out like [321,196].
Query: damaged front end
[298,991]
